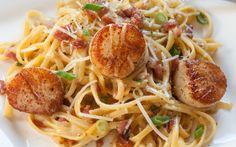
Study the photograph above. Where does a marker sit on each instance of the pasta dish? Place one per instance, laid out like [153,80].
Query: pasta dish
[131,72]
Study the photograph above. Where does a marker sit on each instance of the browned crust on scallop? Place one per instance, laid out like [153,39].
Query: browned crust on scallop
[35,90]
[206,81]
[119,58]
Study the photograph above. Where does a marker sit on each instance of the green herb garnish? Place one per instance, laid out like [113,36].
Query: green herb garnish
[199,131]
[66,75]
[139,80]
[19,64]
[102,126]
[93,7]
[160,120]
[161,18]
[86,32]
[202,19]
[154,108]
[104,98]
[174,50]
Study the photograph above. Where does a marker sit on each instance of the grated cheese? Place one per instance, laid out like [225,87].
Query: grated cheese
[66,32]
[95,116]
[170,59]
[73,63]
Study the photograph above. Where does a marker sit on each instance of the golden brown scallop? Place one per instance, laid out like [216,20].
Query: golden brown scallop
[35,90]
[116,49]
[199,83]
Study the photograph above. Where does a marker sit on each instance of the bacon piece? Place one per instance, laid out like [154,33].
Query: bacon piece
[169,26]
[62,36]
[132,13]
[92,15]
[69,142]
[121,13]
[2,87]
[175,64]
[170,125]
[121,126]
[78,43]
[107,20]
[39,123]
[11,55]
[62,119]
[99,143]
[137,20]
[158,72]
[121,142]
[102,12]
[85,109]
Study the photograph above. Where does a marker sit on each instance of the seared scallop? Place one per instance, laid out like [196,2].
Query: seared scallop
[199,83]
[36,91]
[117,49]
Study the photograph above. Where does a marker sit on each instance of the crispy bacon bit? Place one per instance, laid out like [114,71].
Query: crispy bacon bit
[69,142]
[121,13]
[92,15]
[132,13]
[99,143]
[85,109]
[78,43]
[169,26]
[62,36]
[170,125]
[11,55]
[121,142]
[137,20]
[121,126]
[62,119]
[107,20]
[2,87]
[158,71]
[175,64]
[39,123]
[102,12]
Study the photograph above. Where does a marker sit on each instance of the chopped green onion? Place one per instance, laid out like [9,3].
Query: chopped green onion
[139,80]
[174,50]
[93,7]
[202,19]
[19,64]
[161,18]
[86,32]
[199,131]
[160,120]
[104,98]
[66,75]
[102,126]
[154,108]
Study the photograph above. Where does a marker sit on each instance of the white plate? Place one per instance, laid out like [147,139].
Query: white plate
[18,133]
